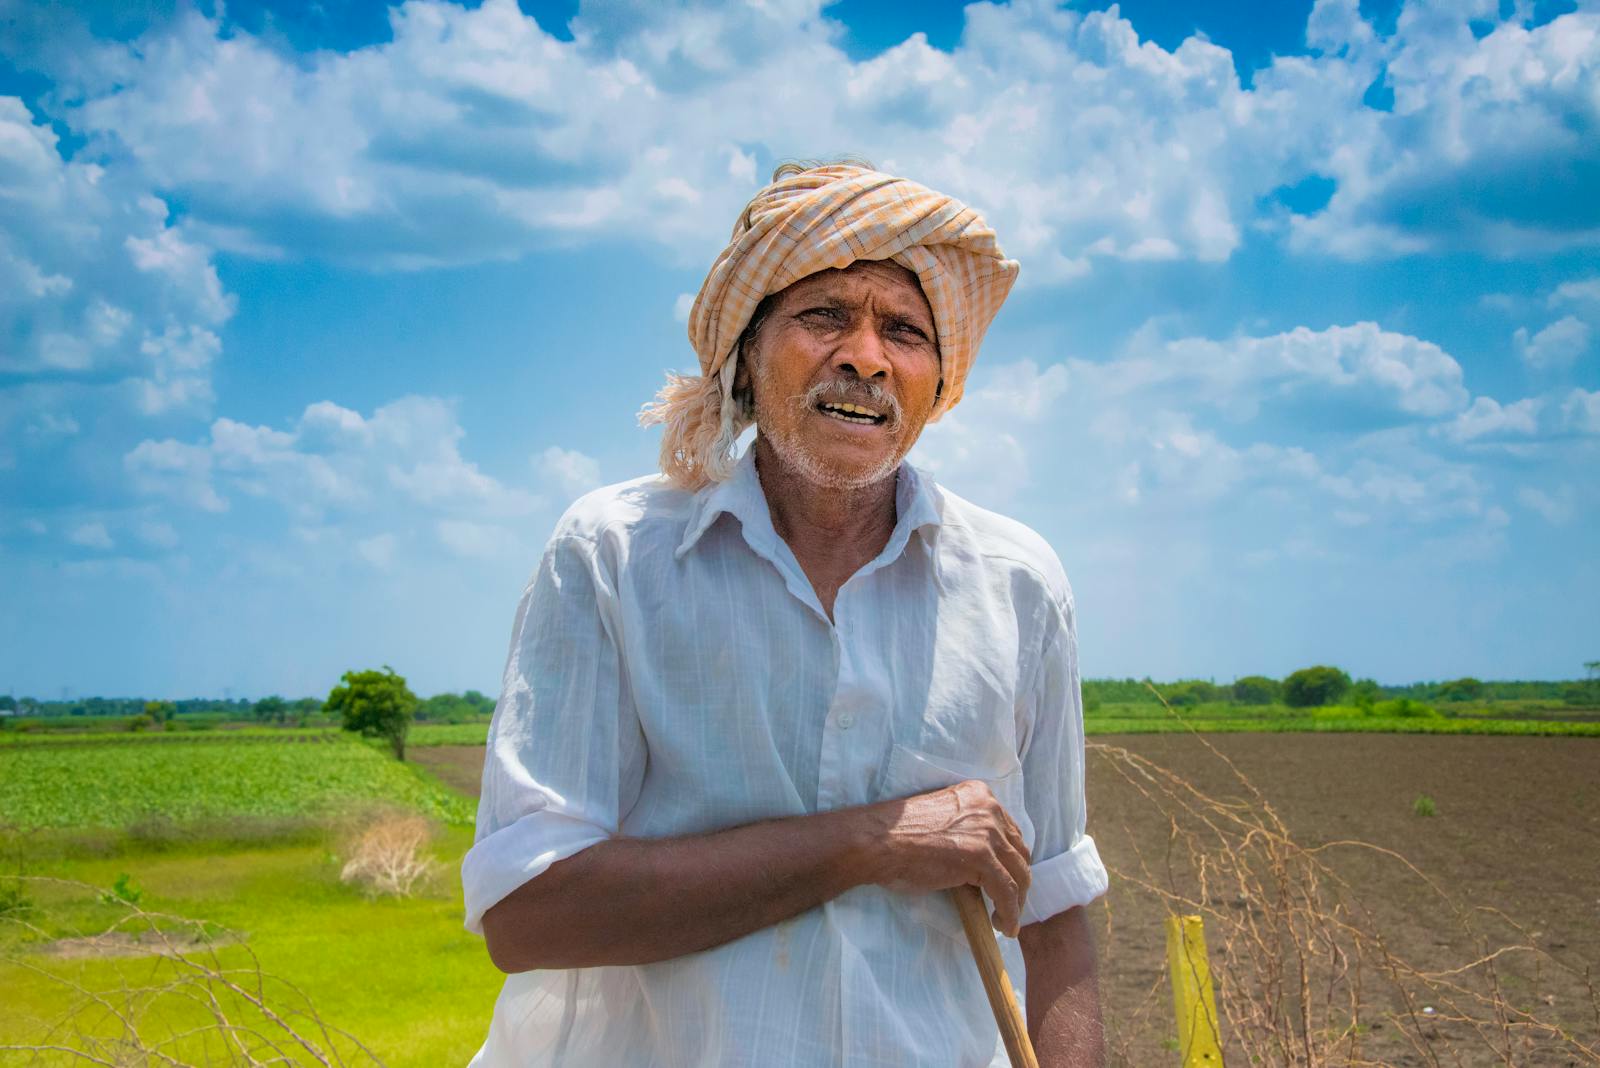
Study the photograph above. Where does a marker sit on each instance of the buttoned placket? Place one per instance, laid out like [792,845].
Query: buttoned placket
[856,733]
[849,729]
[857,730]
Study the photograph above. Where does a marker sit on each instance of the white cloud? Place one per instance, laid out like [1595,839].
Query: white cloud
[1377,369]
[1582,291]
[377,550]
[572,472]
[482,541]
[1580,412]
[458,140]
[1556,346]
[175,471]
[334,462]
[1556,508]
[682,307]
[92,535]
[1489,144]
[95,283]
[1489,418]
[979,437]
[156,533]
[1246,430]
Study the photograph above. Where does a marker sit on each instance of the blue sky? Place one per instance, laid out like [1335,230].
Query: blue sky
[312,320]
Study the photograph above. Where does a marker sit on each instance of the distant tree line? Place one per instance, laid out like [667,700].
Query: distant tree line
[272,709]
[1326,685]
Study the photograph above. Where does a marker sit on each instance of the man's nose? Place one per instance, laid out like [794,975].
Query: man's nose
[860,353]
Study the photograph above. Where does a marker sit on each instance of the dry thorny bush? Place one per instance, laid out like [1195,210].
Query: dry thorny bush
[176,1002]
[1301,970]
[386,855]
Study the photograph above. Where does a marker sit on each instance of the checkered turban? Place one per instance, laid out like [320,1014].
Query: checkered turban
[822,218]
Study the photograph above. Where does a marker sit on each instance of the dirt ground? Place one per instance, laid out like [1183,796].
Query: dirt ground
[1516,829]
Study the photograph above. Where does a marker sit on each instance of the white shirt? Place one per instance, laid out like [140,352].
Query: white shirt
[672,672]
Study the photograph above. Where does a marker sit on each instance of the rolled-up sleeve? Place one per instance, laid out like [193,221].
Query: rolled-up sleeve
[565,755]
[1066,866]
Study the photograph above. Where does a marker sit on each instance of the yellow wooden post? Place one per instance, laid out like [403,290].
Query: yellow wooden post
[1199,1036]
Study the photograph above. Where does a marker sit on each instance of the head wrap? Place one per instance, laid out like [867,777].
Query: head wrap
[814,220]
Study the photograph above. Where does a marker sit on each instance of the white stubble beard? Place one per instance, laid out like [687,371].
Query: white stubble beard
[792,450]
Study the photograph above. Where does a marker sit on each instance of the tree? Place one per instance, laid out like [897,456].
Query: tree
[7,703]
[1466,689]
[272,709]
[1313,686]
[1255,690]
[304,708]
[1365,693]
[1186,693]
[160,711]
[379,704]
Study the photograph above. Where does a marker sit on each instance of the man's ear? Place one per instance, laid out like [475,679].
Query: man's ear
[741,370]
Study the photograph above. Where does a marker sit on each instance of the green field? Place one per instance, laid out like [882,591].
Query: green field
[247,828]
[1153,717]
[124,779]
[1150,717]
[402,975]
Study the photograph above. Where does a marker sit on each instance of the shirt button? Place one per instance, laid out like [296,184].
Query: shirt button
[846,721]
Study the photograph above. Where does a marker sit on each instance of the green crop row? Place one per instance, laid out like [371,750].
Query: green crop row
[118,785]
[158,737]
[1096,725]
[448,734]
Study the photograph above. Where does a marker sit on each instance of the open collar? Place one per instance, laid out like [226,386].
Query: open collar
[917,507]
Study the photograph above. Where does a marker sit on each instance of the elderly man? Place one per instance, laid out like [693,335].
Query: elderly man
[762,711]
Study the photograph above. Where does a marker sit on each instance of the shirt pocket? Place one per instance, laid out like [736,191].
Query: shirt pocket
[909,772]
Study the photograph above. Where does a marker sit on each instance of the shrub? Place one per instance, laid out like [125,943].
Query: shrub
[1190,692]
[1256,690]
[387,858]
[1424,806]
[1405,707]
[1465,689]
[1365,693]
[1312,686]
[1580,694]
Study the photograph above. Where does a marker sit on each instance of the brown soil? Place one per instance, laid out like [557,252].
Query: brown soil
[1516,829]
[459,767]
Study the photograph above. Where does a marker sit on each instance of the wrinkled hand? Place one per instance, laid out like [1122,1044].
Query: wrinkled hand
[957,836]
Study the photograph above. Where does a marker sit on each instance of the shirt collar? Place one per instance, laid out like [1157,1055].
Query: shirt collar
[916,497]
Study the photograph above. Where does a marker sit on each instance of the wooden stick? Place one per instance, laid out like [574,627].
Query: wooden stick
[1002,999]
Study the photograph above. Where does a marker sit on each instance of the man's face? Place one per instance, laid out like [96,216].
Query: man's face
[862,336]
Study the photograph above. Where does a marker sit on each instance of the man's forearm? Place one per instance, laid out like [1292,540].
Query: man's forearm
[639,900]
[1064,1018]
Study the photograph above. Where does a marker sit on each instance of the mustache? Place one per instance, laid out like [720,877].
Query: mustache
[867,394]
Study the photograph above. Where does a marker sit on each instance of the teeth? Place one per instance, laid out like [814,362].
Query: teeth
[853,409]
[837,412]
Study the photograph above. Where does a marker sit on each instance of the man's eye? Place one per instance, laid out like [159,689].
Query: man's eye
[827,314]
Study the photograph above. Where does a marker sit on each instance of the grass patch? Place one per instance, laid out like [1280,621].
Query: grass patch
[400,974]
[163,788]
[448,734]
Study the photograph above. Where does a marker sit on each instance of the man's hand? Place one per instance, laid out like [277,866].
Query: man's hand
[957,836]
[664,897]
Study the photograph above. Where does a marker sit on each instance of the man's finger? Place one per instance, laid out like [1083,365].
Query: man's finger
[1002,890]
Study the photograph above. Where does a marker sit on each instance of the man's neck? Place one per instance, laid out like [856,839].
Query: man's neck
[832,531]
